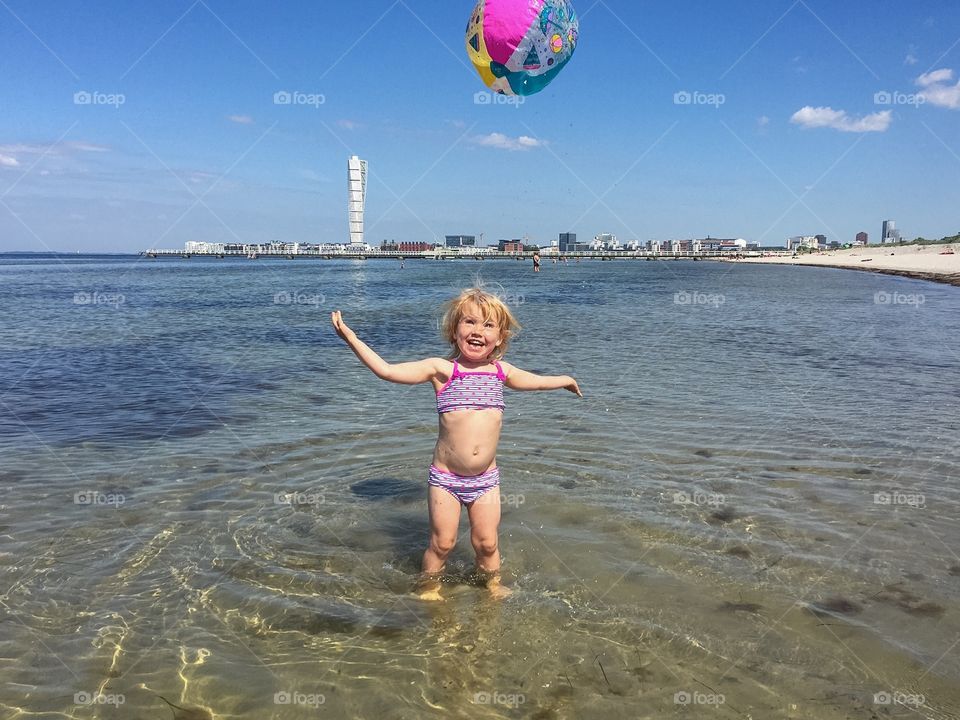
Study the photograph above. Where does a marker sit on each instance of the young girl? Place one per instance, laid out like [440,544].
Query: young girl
[469,390]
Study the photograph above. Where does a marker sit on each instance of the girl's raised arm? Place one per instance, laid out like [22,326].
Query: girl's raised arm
[408,373]
[518,379]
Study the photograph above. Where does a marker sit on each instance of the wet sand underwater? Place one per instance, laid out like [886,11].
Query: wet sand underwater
[210,509]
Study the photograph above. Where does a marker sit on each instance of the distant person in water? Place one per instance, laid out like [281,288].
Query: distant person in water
[536,262]
[469,393]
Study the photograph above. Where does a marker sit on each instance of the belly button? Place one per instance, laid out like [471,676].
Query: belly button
[476,451]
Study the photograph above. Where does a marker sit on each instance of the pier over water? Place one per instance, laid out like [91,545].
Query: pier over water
[445,255]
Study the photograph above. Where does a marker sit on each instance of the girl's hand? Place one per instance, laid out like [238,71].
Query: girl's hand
[573,387]
[341,327]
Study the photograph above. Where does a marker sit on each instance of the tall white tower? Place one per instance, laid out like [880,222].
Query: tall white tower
[357,197]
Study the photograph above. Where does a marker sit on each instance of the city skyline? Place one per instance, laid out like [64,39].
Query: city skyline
[213,122]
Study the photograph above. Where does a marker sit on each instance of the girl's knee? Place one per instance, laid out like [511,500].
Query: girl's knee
[485,544]
[443,544]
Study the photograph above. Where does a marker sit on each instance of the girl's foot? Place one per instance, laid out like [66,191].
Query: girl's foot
[428,588]
[431,595]
[498,591]
[491,581]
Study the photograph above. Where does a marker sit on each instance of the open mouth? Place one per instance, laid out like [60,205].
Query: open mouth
[475,343]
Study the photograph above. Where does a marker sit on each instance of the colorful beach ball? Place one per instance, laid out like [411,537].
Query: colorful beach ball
[519,46]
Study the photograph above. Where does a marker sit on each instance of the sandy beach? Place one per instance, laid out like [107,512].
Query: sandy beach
[924,262]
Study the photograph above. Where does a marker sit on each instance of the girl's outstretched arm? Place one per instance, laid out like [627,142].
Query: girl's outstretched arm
[518,379]
[409,373]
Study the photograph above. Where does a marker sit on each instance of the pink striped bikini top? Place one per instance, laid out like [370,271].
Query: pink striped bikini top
[472,390]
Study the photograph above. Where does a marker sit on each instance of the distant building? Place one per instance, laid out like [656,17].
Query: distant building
[356,197]
[710,244]
[461,241]
[511,245]
[889,232]
[605,241]
[821,240]
[415,247]
[567,239]
[803,241]
[862,238]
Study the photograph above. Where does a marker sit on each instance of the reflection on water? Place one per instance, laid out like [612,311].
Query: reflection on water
[210,510]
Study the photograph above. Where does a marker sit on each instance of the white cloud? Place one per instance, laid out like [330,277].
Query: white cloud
[8,161]
[503,142]
[59,149]
[910,59]
[937,89]
[348,124]
[937,76]
[763,121]
[818,117]
[312,176]
[240,119]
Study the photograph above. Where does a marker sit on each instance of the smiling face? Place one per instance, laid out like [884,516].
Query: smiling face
[477,336]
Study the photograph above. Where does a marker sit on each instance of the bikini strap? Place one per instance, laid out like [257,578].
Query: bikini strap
[500,374]
[456,369]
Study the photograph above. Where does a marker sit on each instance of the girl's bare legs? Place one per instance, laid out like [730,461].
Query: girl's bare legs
[444,521]
[484,515]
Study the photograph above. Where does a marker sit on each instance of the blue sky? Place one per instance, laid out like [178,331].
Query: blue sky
[785,133]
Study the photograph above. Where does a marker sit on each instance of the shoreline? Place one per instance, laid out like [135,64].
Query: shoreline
[917,262]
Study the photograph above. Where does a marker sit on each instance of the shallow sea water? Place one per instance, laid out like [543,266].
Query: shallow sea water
[207,501]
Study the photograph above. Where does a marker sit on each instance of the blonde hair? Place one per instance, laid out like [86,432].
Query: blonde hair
[491,307]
